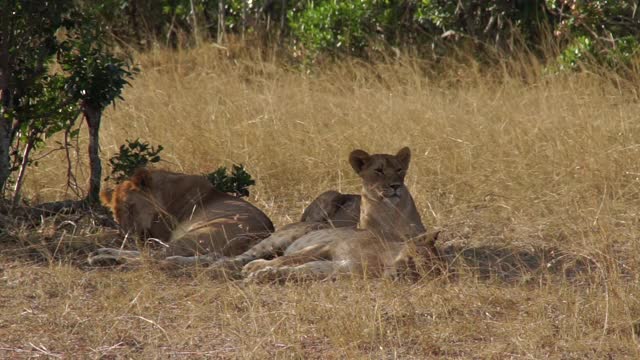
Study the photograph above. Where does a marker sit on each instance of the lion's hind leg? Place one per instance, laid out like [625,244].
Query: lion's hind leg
[216,259]
[110,256]
[188,261]
[305,255]
[269,247]
[312,270]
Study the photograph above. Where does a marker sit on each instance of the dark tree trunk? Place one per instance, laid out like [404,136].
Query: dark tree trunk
[5,124]
[93,117]
[5,146]
[244,17]
[283,20]
[220,21]
[194,24]
[133,19]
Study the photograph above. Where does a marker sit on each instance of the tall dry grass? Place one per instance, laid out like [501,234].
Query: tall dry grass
[508,159]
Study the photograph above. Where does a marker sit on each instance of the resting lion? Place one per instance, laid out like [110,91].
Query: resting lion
[330,209]
[185,212]
[390,239]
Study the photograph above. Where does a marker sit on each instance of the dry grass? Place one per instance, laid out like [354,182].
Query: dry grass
[501,163]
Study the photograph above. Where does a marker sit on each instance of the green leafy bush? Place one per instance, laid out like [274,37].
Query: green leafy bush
[334,26]
[136,154]
[58,64]
[575,53]
[584,49]
[98,75]
[131,156]
[236,183]
[626,49]
[602,31]
[441,14]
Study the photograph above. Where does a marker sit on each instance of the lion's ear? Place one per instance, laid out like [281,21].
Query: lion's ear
[404,157]
[358,160]
[142,179]
[429,240]
[105,196]
[321,208]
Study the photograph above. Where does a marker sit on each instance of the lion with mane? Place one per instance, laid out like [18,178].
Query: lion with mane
[184,212]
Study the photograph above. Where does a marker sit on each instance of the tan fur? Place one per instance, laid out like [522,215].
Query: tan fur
[330,209]
[391,237]
[187,213]
[334,208]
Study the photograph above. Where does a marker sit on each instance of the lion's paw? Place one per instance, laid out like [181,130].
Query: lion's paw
[228,264]
[254,266]
[101,258]
[110,257]
[268,274]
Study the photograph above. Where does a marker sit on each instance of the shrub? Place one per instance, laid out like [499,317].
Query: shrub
[333,26]
[237,183]
[131,156]
[136,154]
[601,30]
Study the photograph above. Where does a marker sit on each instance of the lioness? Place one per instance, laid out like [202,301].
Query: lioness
[330,209]
[184,211]
[390,237]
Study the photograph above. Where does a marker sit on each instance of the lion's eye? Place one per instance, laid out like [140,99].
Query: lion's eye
[379,171]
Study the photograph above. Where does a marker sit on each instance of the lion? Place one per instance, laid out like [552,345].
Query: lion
[330,209]
[390,239]
[183,212]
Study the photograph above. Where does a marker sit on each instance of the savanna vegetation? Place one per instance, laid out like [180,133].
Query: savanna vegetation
[522,119]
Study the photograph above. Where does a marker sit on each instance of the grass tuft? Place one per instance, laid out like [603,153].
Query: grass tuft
[533,177]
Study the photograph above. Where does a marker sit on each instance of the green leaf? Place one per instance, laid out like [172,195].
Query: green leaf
[132,155]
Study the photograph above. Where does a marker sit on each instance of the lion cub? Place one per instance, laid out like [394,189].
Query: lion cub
[389,239]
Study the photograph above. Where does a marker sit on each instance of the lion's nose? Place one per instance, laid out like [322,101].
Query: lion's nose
[395,187]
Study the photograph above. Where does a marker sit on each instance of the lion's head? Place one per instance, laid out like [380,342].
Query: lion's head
[382,174]
[132,204]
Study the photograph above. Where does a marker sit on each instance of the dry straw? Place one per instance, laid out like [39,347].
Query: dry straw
[517,166]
